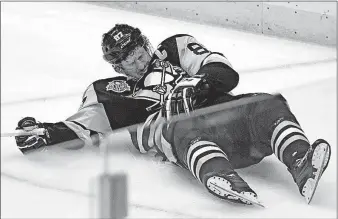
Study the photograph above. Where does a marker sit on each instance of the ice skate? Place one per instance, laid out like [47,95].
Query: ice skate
[307,171]
[231,187]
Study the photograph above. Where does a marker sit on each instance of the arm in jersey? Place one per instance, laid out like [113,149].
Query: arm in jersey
[186,52]
[105,107]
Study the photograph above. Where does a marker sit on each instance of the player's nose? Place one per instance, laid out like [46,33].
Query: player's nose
[141,65]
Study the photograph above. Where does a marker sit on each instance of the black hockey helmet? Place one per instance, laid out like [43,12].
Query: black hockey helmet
[118,42]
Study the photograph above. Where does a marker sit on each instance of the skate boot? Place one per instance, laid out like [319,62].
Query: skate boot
[307,171]
[230,186]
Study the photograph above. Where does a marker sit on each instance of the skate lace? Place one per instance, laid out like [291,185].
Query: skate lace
[300,161]
[300,173]
[235,178]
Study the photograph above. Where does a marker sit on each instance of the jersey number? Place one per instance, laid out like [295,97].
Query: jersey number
[197,48]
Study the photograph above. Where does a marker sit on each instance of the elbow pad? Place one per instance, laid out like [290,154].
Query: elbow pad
[220,77]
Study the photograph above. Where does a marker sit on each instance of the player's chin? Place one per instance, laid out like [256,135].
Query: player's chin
[137,76]
[141,73]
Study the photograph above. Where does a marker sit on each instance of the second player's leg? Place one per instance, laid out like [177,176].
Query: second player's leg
[196,144]
[275,126]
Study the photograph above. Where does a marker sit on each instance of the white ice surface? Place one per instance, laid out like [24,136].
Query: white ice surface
[52,51]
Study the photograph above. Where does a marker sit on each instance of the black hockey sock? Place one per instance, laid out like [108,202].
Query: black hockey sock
[217,165]
[204,157]
[294,151]
[288,142]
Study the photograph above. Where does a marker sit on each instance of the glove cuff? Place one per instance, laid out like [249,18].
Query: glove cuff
[28,124]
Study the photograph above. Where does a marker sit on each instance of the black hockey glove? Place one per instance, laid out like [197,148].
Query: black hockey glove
[30,143]
[189,94]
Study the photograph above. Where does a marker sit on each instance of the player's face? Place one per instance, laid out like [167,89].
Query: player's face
[136,64]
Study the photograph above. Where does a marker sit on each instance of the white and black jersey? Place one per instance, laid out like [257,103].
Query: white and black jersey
[186,52]
[118,102]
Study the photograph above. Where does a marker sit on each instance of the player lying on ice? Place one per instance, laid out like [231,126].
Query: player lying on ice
[180,77]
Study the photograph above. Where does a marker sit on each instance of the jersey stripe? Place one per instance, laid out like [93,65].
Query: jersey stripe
[216,57]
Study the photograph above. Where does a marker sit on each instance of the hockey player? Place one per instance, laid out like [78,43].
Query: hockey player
[246,135]
[112,103]
[239,133]
[212,150]
[118,102]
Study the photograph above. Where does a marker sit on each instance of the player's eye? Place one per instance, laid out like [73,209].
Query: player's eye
[129,61]
[141,57]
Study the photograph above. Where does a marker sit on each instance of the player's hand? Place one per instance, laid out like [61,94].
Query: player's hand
[30,143]
[186,96]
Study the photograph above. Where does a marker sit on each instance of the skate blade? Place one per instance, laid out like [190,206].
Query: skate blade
[319,160]
[212,185]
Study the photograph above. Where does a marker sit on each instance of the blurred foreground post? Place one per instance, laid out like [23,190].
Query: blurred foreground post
[112,189]
[112,196]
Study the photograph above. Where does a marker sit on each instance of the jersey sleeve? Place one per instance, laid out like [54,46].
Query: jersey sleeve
[103,90]
[106,106]
[186,52]
[62,135]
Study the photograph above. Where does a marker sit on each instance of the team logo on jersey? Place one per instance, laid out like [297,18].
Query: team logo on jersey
[118,86]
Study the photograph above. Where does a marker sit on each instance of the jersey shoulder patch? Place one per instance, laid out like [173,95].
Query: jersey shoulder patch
[120,85]
[104,89]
